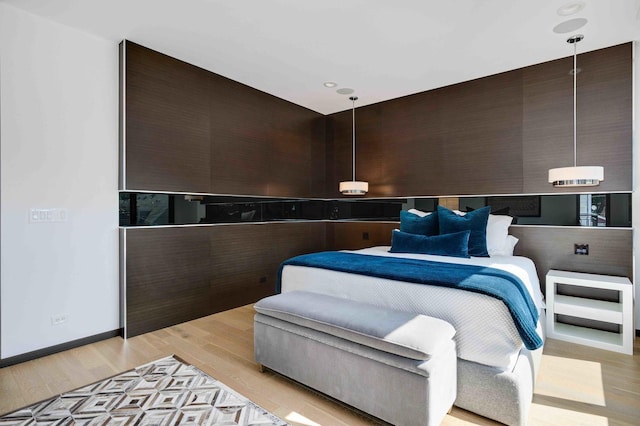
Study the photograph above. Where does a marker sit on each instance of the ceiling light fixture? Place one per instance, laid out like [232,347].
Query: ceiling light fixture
[571,8]
[583,175]
[345,91]
[330,84]
[570,26]
[354,187]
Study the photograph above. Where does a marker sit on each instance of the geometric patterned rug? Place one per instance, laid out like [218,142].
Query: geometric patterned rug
[164,392]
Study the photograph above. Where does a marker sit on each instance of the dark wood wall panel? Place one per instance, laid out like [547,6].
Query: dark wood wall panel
[190,130]
[604,117]
[495,135]
[262,145]
[461,139]
[242,268]
[610,250]
[168,271]
[481,131]
[396,152]
[167,123]
[178,274]
[358,235]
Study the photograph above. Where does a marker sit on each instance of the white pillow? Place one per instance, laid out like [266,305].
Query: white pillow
[497,233]
[507,249]
[419,212]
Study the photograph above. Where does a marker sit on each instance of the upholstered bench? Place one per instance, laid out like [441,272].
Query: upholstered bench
[397,366]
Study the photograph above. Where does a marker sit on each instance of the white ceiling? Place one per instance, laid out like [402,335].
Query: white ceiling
[382,49]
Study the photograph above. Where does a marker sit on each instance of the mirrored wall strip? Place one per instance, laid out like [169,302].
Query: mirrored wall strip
[212,194]
[612,210]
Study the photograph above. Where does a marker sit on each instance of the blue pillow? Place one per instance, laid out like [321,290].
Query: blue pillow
[414,224]
[456,244]
[475,221]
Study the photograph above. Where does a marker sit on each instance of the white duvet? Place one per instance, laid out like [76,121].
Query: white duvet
[485,332]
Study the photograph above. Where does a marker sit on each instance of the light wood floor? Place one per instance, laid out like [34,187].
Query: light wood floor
[577,385]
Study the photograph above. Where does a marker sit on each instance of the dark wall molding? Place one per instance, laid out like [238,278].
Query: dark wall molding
[39,353]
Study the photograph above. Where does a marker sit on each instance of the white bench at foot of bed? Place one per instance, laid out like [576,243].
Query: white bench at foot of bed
[397,366]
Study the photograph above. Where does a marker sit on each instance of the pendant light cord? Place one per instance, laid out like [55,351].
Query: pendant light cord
[575,108]
[353,133]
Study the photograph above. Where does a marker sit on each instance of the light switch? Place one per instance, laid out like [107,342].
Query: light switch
[48,215]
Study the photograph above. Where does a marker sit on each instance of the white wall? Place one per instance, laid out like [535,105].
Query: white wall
[59,148]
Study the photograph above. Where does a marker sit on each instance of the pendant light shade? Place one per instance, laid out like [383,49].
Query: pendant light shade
[583,175]
[576,176]
[353,186]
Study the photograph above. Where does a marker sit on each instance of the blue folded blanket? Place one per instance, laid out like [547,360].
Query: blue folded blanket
[480,279]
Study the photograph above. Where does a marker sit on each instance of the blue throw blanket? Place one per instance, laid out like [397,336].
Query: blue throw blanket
[480,279]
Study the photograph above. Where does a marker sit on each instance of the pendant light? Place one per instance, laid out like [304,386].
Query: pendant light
[354,187]
[576,175]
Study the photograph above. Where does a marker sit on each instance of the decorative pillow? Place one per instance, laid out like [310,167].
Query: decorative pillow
[414,224]
[507,249]
[475,221]
[455,244]
[497,231]
[419,212]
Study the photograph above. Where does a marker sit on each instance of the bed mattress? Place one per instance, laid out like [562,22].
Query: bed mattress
[485,332]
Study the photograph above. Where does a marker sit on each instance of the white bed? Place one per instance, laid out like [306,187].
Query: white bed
[485,333]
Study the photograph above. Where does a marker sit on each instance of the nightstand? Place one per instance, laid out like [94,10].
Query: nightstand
[619,313]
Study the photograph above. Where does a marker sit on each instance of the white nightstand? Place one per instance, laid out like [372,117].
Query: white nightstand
[611,312]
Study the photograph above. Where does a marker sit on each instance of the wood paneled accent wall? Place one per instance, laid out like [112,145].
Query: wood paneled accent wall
[550,247]
[604,118]
[359,235]
[179,274]
[190,130]
[185,129]
[495,135]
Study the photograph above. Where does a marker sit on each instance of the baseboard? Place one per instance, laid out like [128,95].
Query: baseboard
[58,348]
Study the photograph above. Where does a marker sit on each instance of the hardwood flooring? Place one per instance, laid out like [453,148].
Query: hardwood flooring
[577,385]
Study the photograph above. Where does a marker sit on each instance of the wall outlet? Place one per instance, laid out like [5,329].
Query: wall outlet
[59,319]
[581,249]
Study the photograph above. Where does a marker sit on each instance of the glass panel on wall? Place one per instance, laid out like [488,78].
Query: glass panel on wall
[145,209]
[594,210]
[148,209]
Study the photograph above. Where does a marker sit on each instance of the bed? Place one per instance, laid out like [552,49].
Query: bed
[496,369]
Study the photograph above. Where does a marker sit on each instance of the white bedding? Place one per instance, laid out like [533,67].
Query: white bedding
[485,332]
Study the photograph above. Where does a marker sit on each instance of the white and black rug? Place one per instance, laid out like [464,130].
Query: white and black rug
[165,392]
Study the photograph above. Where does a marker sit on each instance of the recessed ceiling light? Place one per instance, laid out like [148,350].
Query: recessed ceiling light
[570,25]
[571,8]
[330,84]
[345,91]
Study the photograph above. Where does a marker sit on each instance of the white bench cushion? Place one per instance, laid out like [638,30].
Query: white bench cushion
[406,334]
